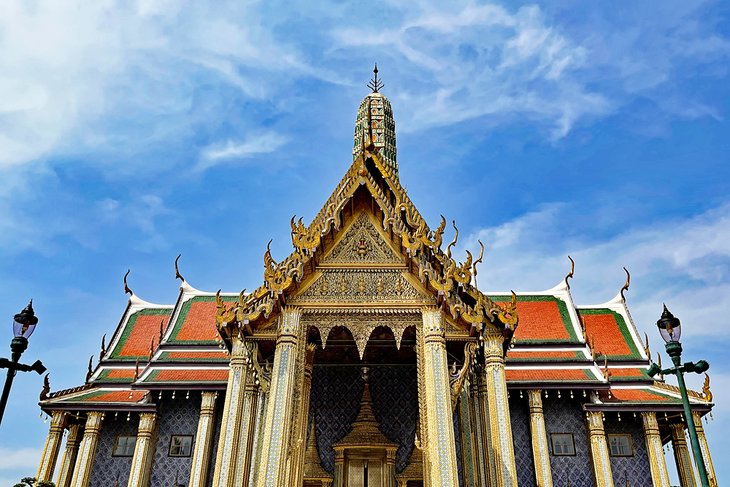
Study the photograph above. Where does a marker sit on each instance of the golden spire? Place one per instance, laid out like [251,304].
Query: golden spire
[312,463]
[365,431]
[375,125]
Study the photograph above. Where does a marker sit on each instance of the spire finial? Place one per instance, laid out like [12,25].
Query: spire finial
[375,84]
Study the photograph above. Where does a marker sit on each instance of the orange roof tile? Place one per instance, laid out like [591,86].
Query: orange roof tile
[609,333]
[543,355]
[125,396]
[642,395]
[542,319]
[549,375]
[141,329]
[196,321]
[188,375]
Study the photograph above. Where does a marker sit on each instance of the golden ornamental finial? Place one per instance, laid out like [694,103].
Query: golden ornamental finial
[456,238]
[46,388]
[570,274]
[177,269]
[126,286]
[136,370]
[626,284]
[103,347]
[706,388]
[647,351]
[375,84]
[478,261]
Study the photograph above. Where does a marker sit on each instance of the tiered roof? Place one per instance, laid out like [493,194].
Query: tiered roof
[556,345]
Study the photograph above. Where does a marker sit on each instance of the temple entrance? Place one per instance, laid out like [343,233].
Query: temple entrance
[365,410]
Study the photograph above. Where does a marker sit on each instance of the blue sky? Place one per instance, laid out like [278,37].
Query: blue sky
[134,131]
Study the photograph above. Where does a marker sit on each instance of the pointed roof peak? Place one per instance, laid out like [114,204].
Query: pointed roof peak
[375,125]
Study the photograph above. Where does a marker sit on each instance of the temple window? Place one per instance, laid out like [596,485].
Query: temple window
[124,446]
[563,444]
[181,445]
[620,445]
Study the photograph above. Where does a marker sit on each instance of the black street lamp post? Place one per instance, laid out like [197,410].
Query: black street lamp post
[670,329]
[24,324]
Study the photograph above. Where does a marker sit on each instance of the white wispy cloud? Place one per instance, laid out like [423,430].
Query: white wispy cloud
[19,458]
[683,262]
[254,144]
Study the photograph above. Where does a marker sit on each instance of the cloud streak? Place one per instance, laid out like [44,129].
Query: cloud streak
[256,144]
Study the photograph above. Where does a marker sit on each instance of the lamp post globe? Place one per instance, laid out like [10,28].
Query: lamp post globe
[24,324]
[670,329]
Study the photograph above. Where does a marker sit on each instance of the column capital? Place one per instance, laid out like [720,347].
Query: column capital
[93,421]
[147,423]
[207,402]
[433,324]
[289,321]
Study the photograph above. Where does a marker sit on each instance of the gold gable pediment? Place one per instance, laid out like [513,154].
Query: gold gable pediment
[362,244]
[361,286]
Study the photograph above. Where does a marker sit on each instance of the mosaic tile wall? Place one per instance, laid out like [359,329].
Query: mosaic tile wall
[335,399]
[635,468]
[177,416]
[565,416]
[107,468]
[520,419]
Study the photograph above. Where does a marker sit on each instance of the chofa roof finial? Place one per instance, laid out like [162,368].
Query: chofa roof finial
[375,84]
[626,284]
[177,269]
[570,274]
[126,287]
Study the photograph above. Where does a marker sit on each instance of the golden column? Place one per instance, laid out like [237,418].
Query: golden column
[599,449]
[230,435]
[682,456]
[441,447]
[144,450]
[87,449]
[247,428]
[476,417]
[498,419]
[52,446]
[468,452]
[68,459]
[659,474]
[705,447]
[257,439]
[300,424]
[203,440]
[540,452]
[280,404]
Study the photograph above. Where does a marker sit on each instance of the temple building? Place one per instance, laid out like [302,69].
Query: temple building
[369,357]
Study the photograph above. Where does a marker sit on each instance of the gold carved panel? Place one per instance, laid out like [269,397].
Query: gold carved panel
[362,243]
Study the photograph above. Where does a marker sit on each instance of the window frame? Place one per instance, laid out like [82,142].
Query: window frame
[116,445]
[630,442]
[552,444]
[172,438]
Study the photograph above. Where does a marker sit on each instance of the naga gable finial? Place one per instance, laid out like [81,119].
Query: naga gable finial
[46,388]
[126,286]
[456,238]
[706,388]
[626,284]
[177,269]
[478,261]
[570,274]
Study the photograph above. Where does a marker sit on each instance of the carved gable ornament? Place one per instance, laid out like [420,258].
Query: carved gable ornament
[362,244]
[359,286]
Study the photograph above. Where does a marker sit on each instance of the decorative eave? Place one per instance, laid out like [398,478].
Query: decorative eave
[449,281]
